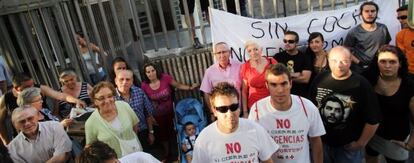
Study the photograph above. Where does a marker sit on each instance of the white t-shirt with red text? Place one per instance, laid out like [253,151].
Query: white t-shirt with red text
[290,129]
[249,143]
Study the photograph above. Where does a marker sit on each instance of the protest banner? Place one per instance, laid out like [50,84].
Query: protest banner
[334,25]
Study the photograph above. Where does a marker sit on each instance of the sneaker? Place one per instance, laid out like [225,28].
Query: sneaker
[197,44]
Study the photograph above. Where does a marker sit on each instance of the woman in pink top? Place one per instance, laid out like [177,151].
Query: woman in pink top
[253,75]
[157,86]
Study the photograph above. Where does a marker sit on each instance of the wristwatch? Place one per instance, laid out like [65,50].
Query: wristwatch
[151,131]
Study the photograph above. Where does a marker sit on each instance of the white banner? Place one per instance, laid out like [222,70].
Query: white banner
[268,33]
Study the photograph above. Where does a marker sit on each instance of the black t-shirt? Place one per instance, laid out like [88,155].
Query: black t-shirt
[296,63]
[345,107]
[396,120]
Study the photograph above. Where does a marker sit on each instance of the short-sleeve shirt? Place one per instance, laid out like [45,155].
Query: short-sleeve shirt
[161,98]
[256,81]
[405,41]
[296,63]
[140,104]
[289,129]
[215,74]
[97,128]
[345,107]
[249,143]
[139,157]
[51,140]
[366,43]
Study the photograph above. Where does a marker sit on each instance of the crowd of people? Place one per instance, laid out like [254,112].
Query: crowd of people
[347,104]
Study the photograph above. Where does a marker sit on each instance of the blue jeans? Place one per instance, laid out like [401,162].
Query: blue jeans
[341,155]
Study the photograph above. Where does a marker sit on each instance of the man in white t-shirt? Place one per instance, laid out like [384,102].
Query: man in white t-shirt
[230,139]
[292,121]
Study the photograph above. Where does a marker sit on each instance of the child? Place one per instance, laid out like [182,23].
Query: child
[189,140]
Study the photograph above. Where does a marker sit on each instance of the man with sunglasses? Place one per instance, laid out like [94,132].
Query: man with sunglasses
[230,138]
[299,64]
[293,121]
[402,15]
[360,116]
[405,38]
[223,70]
[366,38]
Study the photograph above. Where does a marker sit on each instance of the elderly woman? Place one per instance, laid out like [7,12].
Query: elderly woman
[113,122]
[71,86]
[388,73]
[253,75]
[31,96]
[157,86]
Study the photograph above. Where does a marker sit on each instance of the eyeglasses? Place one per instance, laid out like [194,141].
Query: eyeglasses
[102,98]
[289,41]
[402,17]
[224,109]
[222,52]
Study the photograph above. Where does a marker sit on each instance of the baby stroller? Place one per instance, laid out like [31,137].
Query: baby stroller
[188,110]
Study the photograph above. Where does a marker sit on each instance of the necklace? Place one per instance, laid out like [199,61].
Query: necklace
[387,87]
[320,61]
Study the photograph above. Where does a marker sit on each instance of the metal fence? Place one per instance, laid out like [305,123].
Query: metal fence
[38,36]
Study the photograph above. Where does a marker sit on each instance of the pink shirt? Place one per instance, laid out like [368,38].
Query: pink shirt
[161,98]
[255,82]
[215,74]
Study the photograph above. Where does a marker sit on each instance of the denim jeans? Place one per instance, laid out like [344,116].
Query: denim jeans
[341,155]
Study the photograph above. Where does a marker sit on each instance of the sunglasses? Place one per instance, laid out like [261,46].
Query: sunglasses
[402,17]
[224,109]
[289,41]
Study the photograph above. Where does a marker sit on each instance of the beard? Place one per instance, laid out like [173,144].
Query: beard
[369,22]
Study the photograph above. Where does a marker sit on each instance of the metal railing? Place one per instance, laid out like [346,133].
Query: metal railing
[38,36]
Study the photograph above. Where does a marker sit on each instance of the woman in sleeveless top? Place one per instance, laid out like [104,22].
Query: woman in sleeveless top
[253,74]
[71,86]
[388,74]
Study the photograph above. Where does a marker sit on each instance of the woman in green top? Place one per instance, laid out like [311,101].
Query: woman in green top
[113,122]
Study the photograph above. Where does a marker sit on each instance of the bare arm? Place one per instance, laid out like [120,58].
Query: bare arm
[62,158]
[245,94]
[207,101]
[367,133]
[60,96]
[135,128]
[183,86]
[268,161]
[410,142]
[317,149]
[302,77]
[3,114]
[3,86]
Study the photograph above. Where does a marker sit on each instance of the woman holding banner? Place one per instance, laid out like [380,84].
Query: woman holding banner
[253,75]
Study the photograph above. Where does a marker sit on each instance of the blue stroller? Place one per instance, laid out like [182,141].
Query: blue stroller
[188,110]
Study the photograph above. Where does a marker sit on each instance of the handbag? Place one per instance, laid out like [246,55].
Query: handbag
[127,146]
